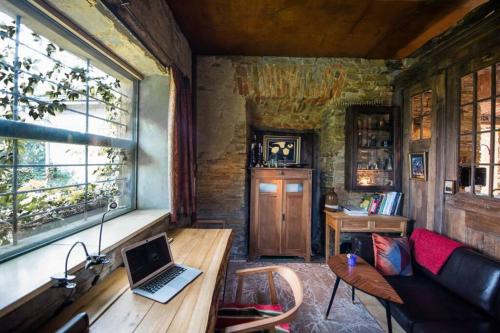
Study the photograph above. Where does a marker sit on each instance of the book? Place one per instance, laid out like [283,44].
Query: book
[355,211]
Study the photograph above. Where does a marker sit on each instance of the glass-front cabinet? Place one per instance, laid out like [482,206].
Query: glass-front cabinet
[372,149]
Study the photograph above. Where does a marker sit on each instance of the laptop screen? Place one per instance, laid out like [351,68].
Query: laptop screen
[147,258]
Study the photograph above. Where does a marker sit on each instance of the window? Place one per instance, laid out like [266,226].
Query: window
[67,134]
[421,108]
[479,142]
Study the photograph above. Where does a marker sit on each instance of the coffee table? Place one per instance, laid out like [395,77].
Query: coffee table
[366,278]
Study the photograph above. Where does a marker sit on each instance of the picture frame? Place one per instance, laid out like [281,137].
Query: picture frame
[418,166]
[449,187]
[286,147]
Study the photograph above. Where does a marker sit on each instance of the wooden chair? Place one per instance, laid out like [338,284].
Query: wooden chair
[269,323]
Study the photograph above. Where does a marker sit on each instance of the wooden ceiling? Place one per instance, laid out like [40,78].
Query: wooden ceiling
[315,28]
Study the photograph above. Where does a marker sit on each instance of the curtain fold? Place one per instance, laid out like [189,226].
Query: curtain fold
[183,151]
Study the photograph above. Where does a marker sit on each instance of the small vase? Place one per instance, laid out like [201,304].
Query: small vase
[332,200]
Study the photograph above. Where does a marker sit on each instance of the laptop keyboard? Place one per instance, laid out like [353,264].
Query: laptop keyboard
[161,280]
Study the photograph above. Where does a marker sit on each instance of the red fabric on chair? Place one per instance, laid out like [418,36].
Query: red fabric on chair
[234,314]
[432,250]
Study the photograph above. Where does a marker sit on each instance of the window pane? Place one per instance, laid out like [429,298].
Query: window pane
[41,152]
[484,116]
[427,102]
[6,180]
[46,206]
[497,147]
[47,177]
[464,180]
[496,181]
[67,119]
[416,105]
[56,191]
[7,51]
[484,83]
[426,127]
[268,188]
[497,113]
[415,131]
[294,188]
[483,148]
[482,180]
[105,155]
[466,123]
[107,172]
[498,79]
[466,89]
[6,170]
[465,154]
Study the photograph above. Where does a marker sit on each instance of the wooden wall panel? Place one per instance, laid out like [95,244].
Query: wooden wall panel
[466,218]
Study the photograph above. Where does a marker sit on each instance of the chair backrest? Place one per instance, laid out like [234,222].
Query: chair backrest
[298,294]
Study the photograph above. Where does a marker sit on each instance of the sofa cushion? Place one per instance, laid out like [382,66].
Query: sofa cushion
[392,255]
[427,301]
[472,276]
[467,326]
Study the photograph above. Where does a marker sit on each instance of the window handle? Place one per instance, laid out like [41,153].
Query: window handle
[283,218]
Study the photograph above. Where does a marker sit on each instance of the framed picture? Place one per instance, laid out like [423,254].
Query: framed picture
[285,148]
[449,187]
[418,166]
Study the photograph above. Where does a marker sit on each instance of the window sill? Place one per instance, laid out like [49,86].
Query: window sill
[29,275]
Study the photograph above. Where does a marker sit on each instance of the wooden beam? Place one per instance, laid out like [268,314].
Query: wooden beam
[438,28]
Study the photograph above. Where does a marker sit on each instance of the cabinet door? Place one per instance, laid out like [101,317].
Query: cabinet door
[268,216]
[295,214]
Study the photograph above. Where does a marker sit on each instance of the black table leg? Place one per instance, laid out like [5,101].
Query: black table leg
[353,292]
[388,315]
[333,296]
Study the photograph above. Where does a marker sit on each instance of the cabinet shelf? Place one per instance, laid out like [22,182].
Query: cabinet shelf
[361,159]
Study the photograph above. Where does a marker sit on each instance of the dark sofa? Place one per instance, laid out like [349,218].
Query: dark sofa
[463,297]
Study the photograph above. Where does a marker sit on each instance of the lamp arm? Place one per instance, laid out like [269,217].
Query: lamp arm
[69,252]
[100,233]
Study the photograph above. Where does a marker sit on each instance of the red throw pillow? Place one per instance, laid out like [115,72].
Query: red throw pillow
[392,255]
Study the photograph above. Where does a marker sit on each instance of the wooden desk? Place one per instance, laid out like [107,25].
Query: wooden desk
[112,307]
[341,222]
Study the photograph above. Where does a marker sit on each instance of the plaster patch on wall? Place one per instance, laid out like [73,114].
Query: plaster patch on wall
[104,27]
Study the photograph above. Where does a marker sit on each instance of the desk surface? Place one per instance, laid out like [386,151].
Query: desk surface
[112,307]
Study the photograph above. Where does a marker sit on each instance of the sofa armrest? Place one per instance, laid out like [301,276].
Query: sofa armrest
[362,245]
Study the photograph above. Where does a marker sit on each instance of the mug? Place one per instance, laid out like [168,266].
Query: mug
[351,259]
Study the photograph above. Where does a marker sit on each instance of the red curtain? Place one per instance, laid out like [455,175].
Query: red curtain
[183,152]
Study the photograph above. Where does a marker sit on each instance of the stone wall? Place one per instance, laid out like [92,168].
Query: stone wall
[234,93]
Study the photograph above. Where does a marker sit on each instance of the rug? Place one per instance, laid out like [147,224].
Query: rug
[318,280]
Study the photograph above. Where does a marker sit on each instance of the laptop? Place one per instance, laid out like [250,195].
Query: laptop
[152,272]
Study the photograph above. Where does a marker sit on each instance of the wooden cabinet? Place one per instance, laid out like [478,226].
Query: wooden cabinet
[373,149]
[280,212]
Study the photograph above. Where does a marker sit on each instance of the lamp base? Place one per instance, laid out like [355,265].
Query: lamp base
[63,281]
[97,259]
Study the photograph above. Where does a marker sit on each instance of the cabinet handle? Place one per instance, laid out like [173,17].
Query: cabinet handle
[283,218]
